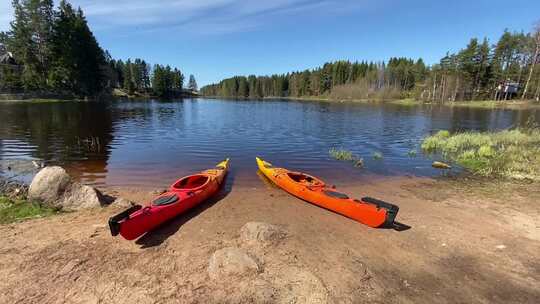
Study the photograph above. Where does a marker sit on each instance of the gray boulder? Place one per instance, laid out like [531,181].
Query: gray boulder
[231,261]
[80,197]
[54,187]
[49,185]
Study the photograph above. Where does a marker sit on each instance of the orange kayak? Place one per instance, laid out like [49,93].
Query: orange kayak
[369,211]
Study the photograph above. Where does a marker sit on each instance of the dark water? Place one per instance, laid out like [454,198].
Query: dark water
[150,143]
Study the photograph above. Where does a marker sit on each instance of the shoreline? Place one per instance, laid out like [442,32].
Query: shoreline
[476,104]
[483,104]
[481,241]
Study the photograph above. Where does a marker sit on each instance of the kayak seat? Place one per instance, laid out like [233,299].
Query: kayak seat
[304,179]
[191,182]
[165,200]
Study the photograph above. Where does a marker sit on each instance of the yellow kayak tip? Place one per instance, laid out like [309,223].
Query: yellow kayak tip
[224,164]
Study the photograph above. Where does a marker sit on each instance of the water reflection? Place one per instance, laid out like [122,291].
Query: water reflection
[149,143]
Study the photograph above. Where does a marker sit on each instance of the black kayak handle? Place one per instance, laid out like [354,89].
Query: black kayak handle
[114,222]
[391,209]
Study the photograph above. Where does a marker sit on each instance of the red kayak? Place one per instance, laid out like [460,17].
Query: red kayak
[183,195]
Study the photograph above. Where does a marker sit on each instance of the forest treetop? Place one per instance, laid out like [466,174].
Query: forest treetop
[54,50]
[504,70]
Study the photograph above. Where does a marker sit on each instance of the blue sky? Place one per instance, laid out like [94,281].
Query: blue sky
[214,39]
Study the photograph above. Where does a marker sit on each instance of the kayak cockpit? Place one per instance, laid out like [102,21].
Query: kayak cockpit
[304,179]
[191,182]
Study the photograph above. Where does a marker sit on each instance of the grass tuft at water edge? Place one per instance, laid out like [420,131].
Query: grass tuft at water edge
[508,153]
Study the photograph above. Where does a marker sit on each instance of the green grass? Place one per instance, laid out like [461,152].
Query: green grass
[18,210]
[406,102]
[491,104]
[325,98]
[509,153]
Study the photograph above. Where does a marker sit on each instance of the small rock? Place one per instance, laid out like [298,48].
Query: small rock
[263,292]
[231,261]
[441,165]
[500,246]
[123,203]
[81,197]
[297,285]
[159,191]
[37,165]
[261,233]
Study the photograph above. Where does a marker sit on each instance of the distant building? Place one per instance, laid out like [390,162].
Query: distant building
[6,57]
[507,90]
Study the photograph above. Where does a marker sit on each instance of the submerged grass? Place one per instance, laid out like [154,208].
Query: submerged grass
[342,154]
[377,155]
[13,210]
[508,153]
[346,155]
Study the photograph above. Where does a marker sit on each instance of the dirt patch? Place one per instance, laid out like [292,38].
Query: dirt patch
[464,245]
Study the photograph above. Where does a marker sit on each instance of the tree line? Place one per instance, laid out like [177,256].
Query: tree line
[504,70]
[139,78]
[343,77]
[54,50]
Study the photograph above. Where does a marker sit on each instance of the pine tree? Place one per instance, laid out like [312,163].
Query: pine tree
[129,85]
[77,58]
[28,40]
[243,87]
[535,58]
[192,83]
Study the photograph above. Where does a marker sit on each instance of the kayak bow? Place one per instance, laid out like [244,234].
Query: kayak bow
[181,196]
[369,211]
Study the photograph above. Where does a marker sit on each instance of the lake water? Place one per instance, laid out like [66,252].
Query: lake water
[151,143]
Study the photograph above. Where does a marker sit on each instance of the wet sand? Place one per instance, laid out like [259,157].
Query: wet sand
[468,242]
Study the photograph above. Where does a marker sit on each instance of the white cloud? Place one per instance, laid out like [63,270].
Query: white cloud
[203,16]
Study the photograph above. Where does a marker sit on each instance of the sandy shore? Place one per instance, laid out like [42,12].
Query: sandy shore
[475,244]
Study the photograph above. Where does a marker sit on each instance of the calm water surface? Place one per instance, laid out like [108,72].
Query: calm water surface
[150,143]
